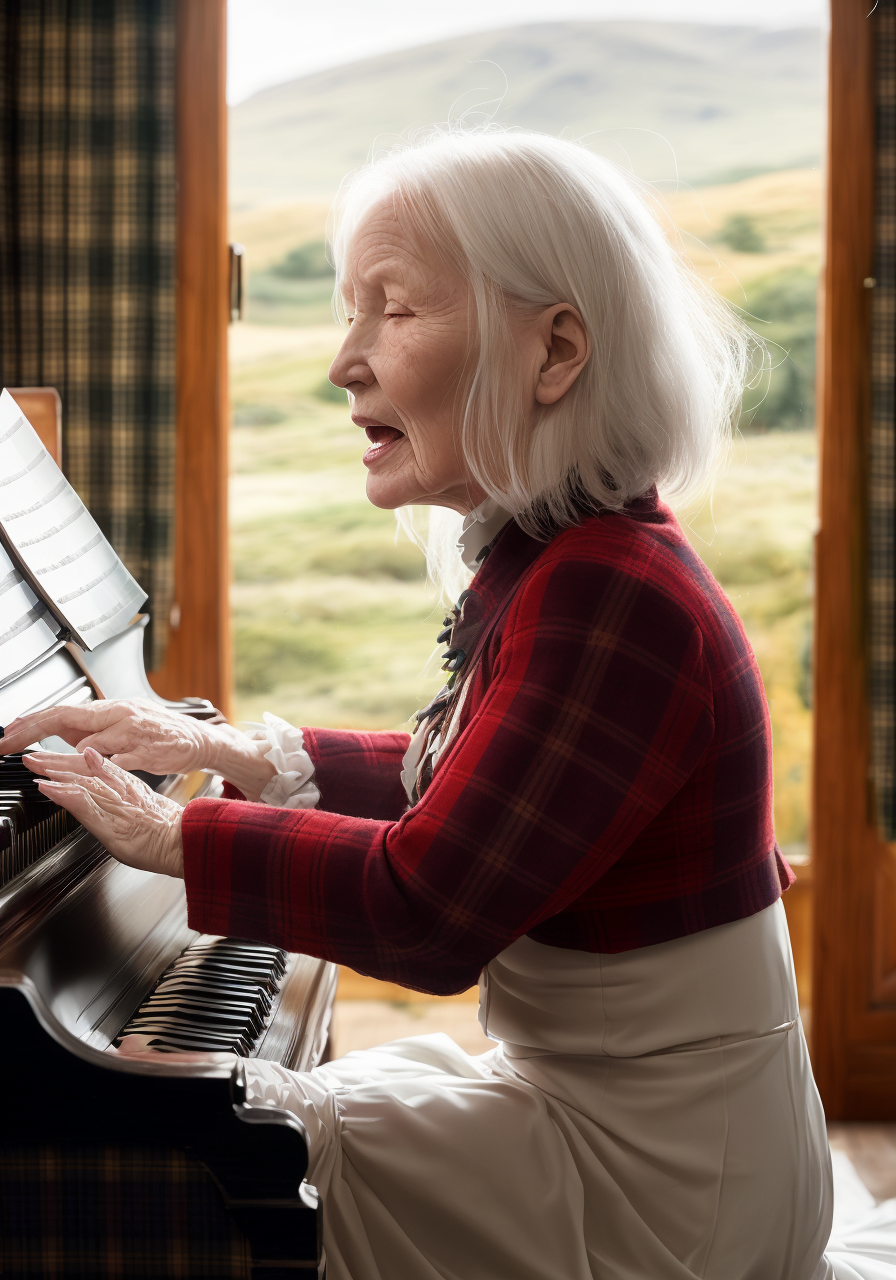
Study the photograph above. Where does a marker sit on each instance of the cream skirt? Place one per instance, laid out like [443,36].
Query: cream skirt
[646,1116]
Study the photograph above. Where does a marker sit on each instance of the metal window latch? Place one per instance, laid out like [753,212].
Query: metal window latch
[237,254]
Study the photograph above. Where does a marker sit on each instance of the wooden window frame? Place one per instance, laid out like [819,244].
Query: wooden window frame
[854,936]
[198,658]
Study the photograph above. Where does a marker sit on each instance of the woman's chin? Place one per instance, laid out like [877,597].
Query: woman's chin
[389,493]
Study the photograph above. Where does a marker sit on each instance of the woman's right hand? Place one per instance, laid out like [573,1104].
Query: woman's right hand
[133,734]
[143,735]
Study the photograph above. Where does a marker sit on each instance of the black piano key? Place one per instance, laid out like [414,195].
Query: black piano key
[40,823]
[183,1031]
[216,995]
[251,974]
[236,1036]
[223,945]
[245,960]
[220,1015]
[188,1021]
[239,997]
[217,982]
[195,1042]
[275,960]
[204,995]
[203,999]
[251,979]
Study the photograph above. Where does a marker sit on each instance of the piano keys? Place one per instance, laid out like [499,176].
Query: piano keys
[30,824]
[96,957]
[217,997]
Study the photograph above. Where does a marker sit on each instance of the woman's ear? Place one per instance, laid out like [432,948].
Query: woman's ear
[568,348]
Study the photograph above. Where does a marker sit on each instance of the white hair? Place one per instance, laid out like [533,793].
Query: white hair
[531,221]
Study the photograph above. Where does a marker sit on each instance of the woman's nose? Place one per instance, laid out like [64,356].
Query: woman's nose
[350,365]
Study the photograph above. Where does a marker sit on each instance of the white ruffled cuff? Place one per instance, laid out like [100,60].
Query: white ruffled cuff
[292,786]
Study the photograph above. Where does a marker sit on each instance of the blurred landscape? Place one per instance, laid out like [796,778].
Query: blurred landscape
[334,623]
[673,100]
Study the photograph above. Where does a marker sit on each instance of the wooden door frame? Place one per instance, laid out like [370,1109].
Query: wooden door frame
[198,658]
[853,1018]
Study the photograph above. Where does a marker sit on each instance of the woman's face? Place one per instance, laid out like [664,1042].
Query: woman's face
[402,362]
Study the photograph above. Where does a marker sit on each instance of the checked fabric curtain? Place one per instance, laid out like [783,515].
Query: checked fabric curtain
[87,256]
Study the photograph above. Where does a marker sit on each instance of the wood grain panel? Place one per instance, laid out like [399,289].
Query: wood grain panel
[42,406]
[853,1035]
[198,657]
[870,1081]
[883,990]
[798,905]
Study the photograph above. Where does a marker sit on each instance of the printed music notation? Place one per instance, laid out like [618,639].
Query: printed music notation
[27,628]
[64,571]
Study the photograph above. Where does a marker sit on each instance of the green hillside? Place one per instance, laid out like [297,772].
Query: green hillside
[728,101]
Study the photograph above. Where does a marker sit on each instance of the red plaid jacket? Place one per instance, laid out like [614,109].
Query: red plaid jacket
[610,786]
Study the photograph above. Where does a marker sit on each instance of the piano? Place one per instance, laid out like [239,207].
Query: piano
[106,1158]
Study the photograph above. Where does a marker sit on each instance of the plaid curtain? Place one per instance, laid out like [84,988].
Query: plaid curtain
[114,1213]
[87,256]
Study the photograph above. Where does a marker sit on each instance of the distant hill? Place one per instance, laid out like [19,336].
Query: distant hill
[729,100]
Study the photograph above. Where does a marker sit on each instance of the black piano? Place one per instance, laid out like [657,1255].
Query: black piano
[140,1166]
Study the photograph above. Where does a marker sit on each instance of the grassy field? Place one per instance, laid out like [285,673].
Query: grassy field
[334,623]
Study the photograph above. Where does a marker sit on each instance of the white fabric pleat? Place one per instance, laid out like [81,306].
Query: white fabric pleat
[646,1115]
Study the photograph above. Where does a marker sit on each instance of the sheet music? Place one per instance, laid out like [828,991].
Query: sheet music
[72,564]
[27,628]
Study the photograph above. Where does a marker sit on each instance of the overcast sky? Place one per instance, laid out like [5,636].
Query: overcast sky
[270,41]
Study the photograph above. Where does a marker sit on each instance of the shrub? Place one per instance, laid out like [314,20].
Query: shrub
[781,310]
[740,233]
[307,262]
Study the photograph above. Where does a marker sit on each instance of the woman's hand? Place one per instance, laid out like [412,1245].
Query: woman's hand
[136,735]
[135,824]
[140,734]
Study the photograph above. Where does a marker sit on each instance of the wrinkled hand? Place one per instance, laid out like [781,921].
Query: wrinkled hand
[137,826]
[133,734]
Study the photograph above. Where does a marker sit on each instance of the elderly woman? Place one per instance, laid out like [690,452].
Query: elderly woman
[582,822]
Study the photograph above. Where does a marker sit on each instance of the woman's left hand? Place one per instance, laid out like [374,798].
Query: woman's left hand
[136,825]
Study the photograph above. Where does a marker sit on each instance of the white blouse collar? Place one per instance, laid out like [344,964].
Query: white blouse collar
[479,528]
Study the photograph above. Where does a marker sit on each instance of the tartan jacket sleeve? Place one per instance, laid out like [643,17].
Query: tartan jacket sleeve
[598,709]
[358,774]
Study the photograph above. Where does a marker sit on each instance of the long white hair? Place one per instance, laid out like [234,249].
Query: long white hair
[531,221]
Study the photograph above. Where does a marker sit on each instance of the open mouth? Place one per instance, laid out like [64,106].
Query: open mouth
[381,438]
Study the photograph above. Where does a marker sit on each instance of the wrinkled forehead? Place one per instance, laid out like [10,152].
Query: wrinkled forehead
[383,241]
[379,244]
